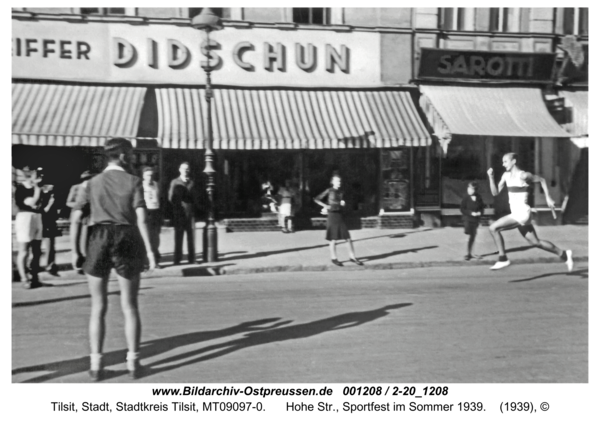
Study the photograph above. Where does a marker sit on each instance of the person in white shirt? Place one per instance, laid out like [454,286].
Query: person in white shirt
[154,214]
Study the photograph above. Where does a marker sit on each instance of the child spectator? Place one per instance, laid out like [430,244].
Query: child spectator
[472,207]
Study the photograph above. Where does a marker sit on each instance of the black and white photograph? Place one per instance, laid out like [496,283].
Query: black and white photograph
[248,206]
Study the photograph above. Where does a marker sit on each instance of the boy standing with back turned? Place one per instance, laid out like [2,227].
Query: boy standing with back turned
[119,239]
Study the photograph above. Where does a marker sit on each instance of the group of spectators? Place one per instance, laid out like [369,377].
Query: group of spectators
[285,202]
[38,211]
[35,222]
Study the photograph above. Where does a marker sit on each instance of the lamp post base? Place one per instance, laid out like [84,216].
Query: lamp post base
[209,243]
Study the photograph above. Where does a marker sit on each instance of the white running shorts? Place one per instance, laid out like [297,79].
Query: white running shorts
[522,215]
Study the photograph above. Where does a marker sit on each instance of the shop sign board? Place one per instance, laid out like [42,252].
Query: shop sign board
[440,64]
[172,54]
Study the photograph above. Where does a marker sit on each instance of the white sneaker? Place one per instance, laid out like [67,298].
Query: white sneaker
[569,260]
[500,264]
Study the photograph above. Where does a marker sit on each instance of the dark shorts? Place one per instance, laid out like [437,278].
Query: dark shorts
[471,227]
[114,246]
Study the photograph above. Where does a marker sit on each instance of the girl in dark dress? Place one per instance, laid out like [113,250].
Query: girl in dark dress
[336,227]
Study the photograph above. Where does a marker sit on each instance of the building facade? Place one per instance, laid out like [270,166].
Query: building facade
[302,93]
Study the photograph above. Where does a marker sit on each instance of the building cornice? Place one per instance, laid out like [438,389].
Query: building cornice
[284,26]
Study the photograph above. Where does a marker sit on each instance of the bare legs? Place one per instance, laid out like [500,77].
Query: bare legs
[529,233]
[332,250]
[129,305]
[531,237]
[505,223]
[22,258]
[98,292]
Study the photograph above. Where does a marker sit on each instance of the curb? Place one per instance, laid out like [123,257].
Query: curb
[67,273]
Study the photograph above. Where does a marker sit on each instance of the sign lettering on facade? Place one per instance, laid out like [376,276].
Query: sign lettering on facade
[485,65]
[171,54]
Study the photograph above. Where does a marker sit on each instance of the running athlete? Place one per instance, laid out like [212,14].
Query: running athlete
[518,181]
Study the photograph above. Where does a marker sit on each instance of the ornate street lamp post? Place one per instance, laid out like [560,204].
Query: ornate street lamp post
[207,21]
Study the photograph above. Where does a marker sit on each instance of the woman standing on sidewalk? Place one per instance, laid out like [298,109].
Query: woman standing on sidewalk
[336,226]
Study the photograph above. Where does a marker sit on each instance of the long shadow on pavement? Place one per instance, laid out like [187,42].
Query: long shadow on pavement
[387,255]
[63,299]
[291,332]
[202,271]
[582,273]
[305,248]
[167,258]
[518,249]
[148,348]
[257,336]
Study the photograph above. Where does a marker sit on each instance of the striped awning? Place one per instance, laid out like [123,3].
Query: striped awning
[488,111]
[253,119]
[74,115]
[577,101]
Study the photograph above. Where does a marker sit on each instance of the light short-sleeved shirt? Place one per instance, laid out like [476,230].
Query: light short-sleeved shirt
[151,196]
[113,196]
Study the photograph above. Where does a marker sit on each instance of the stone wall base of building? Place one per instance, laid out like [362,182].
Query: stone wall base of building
[270,223]
[541,218]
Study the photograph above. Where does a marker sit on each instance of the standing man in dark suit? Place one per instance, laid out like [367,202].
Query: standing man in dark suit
[184,198]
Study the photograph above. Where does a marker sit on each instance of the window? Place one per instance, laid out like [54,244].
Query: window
[575,21]
[498,19]
[453,18]
[102,10]
[505,19]
[194,11]
[311,15]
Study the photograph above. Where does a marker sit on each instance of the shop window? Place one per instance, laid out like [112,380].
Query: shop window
[102,11]
[465,159]
[427,175]
[395,174]
[464,162]
[453,18]
[311,15]
[575,21]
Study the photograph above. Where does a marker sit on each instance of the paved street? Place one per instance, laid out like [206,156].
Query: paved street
[527,323]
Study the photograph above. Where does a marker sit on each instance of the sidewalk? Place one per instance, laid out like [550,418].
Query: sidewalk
[257,252]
